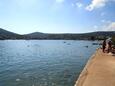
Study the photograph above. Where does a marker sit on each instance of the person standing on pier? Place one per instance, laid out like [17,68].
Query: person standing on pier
[109,45]
[104,46]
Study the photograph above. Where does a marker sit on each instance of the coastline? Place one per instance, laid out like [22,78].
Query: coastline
[99,71]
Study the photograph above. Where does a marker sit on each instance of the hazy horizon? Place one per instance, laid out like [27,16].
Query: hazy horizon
[56,33]
[57,16]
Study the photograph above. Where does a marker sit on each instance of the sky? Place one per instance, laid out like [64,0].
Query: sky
[57,16]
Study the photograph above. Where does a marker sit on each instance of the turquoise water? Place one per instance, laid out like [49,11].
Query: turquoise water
[43,62]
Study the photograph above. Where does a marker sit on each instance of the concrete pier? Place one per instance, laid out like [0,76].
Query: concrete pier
[99,71]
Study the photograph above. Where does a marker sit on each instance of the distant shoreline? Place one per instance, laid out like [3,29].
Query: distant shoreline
[100,35]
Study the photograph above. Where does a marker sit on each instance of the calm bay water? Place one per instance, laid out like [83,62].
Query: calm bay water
[43,62]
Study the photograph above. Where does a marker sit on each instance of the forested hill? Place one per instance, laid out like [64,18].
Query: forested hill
[4,34]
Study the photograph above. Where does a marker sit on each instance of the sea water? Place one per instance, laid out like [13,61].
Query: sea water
[43,62]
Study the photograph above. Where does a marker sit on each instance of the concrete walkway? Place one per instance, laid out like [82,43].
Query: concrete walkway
[99,71]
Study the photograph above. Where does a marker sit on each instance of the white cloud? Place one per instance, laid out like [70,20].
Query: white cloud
[111,27]
[105,21]
[79,5]
[96,4]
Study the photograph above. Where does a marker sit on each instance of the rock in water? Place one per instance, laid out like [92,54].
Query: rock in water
[17,80]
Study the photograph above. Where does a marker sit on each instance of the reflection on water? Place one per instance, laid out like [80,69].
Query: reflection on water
[43,62]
